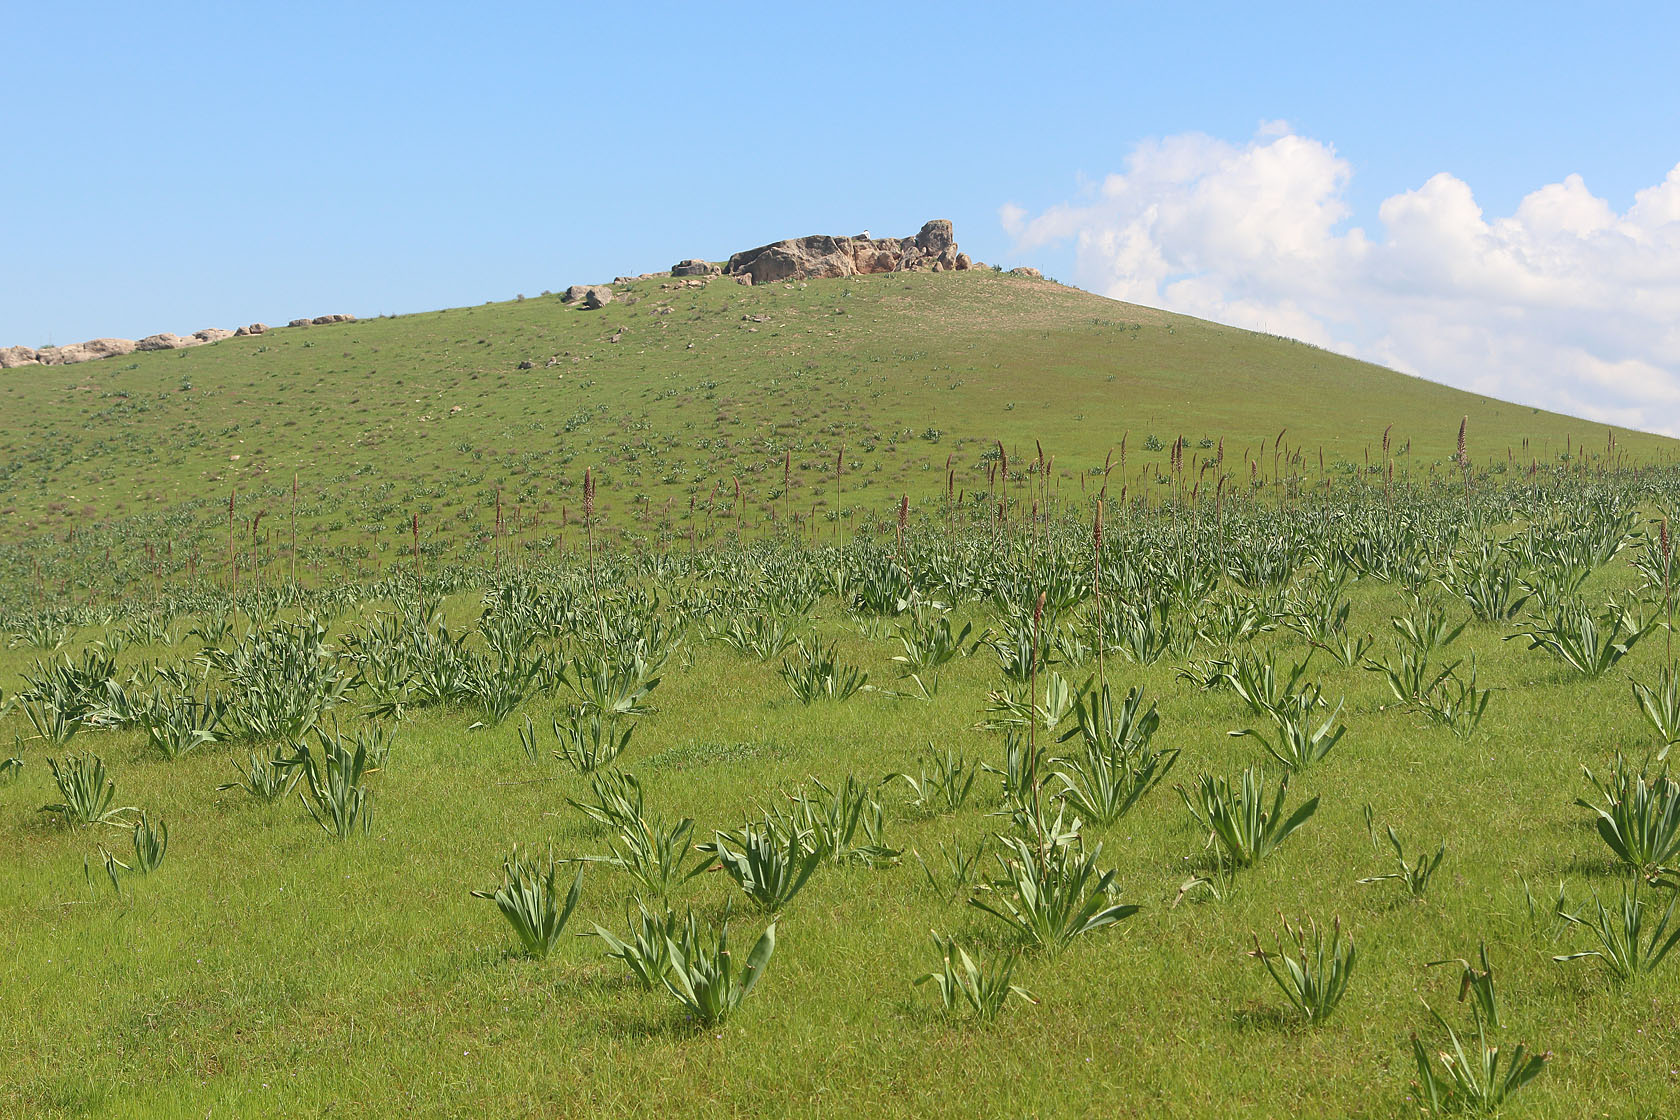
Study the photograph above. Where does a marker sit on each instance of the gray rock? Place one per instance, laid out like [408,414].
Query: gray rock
[165,341]
[212,334]
[1027,273]
[300,322]
[95,349]
[694,267]
[821,256]
[11,357]
[597,297]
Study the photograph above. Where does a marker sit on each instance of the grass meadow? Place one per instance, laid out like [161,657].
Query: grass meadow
[746,451]
[267,968]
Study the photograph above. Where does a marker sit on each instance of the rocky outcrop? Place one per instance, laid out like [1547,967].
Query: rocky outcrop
[92,351]
[820,256]
[694,267]
[592,297]
[11,357]
[163,341]
[1027,273]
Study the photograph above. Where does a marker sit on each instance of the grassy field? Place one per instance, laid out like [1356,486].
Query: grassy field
[266,968]
[118,474]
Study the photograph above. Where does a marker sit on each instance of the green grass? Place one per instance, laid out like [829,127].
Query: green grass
[269,970]
[117,474]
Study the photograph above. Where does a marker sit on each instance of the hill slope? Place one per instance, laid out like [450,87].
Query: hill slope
[672,393]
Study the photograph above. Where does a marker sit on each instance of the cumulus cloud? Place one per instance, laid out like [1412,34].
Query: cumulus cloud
[1564,303]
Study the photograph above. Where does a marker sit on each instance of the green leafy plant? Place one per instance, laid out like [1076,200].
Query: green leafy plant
[942,782]
[763,635]
[176,724]
[1314,980]
[617,807]
[615,682]
[1413,874]
[960,869]
[646,952]
[338,798]
[844,825]
[816,674]
[150,844]
[266,779]
[1623,946]
[529,898]
[1455,702]
[1473,1081]
[10,768]
[1591,644]
[652,854]
[51,721]
[962,980]
[1117,764]
[1254,678]
[768,871]
[1238,819]
[85,793]
[1478,982]
[1640,815]
[1660,705]
[587,742]
[702,975]
[1294,740]
[929,645]
[1050,894]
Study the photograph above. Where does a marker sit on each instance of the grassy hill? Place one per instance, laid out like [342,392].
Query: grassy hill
[122,469]
[267,968]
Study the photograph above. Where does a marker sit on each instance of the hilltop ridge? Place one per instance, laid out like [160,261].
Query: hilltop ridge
[703,407]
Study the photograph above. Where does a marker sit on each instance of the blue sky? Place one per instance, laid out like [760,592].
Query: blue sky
[179,166]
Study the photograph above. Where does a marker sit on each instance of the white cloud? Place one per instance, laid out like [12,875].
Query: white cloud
[1565,303]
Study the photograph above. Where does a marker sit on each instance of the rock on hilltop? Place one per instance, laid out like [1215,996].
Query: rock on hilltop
[822,256]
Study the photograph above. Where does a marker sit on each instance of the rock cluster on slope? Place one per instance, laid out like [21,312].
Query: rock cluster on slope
[820,256]
[12,357]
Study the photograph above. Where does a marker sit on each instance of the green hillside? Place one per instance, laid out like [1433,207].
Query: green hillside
[122,469]
[311,851]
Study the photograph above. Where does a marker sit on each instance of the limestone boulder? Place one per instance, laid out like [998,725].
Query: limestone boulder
[95,349]
[11,357]
[212,334]
[165,341]
[820,256]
